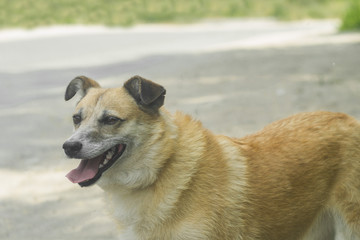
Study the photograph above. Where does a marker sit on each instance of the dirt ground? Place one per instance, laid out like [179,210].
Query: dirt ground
[232,91]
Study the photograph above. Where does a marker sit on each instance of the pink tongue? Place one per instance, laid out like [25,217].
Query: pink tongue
[86,170]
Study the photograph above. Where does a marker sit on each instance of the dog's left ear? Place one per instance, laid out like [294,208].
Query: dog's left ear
[149,95]
[81,83]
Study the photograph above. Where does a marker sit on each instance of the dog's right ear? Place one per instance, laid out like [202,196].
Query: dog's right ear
[81,83]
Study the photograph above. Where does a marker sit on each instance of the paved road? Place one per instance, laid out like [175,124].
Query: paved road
[61,47]
[235,76]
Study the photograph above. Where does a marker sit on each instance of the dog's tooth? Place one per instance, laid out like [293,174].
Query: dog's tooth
[106,161]
[101,165]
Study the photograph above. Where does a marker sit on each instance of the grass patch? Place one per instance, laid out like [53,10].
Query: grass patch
[351,18]
[33,13]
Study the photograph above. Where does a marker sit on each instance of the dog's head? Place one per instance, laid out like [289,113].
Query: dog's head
[113,130]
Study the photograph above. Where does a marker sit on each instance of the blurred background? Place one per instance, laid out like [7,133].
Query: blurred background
[236,65]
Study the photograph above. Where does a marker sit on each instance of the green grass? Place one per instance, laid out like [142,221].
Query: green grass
[351,18]
[33,13]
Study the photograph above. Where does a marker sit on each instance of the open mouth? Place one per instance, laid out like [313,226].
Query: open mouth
[90,170]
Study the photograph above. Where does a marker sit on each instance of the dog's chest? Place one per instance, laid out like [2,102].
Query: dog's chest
[128,234]
[139,219]
[123,208]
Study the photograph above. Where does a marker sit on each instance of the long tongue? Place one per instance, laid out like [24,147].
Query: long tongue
[86,170]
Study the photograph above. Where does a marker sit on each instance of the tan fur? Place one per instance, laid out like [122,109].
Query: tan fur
[292,180]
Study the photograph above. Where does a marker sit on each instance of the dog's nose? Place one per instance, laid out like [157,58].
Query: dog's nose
[72,148]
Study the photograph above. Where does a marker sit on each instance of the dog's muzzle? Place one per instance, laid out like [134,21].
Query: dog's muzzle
[90,170]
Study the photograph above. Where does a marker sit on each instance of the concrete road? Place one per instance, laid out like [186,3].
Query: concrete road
[235,76]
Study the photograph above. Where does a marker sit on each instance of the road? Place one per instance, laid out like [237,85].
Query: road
[234,75]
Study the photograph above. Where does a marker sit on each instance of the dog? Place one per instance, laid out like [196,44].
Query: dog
[167,177]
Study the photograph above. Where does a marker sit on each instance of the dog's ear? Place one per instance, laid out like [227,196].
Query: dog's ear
[149,95]
[81,83]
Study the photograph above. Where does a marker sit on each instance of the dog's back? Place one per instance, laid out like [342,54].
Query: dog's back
[301,169]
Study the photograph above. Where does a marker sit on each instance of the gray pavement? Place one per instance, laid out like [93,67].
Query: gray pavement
[235,76]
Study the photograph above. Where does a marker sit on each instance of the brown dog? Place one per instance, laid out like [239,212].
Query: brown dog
[166,177]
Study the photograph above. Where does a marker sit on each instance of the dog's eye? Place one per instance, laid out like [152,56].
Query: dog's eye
[110,120]
[76,119]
